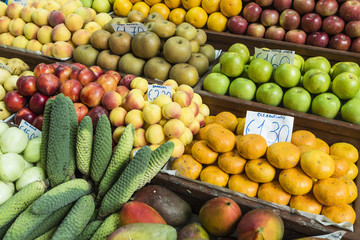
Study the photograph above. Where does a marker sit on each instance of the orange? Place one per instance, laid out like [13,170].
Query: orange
[273,192]
[251,146]
[201,134]
[345,150]
[341,166]
[172,3]
[353,171]
[353,191]
[177,16]
[220,139]
[340,213]
[217,22]
[122,7]
[304,148]
[187,4]
[231,162]
[303,137]
[295,181]
[230,7]
[317,164]
[152,2]
[209,119]
[260,170]
[240,126]
[142,7]
[331,191]
[306,203]
[214,175]
[187,166]
[160,8]
[188,148]
[135,1]
[227,120]
[203,154]
[210,6]
[197,17]
[241,183]
[283,155]
[321,145]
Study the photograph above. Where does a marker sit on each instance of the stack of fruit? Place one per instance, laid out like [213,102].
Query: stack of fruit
[324,23]
[49,27]
[306,86]
[309,170]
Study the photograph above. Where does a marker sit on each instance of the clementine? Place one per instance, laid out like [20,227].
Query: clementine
[241,183]
[317,164]
[210,6]
[231,162]
[172,3]
[197,17]
[341,166]
[187,166]
[214,175]
[217,22]
[273,192]
[142,7]
[230,7]
[220,139]
[203,153]
[353,171]
[303,137]
[340,213]
[283,155]
[188,4]
[345,150]
[227,120]
[251,146]
[331,191]
[162,9]
[177,16]
[306,203]
[122,7]
[295,181]
[260,170]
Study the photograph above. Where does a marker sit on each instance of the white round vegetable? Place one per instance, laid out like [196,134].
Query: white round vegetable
[3,127]
[28,165]
[12,166]
[11,185]
[13,140]
[5,192]
[32,150]
[30,175]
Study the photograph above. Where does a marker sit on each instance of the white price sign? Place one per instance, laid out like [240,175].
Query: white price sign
[274,128]
[24,3]
[131,28]
[29,129]
[156,90]
[275,57]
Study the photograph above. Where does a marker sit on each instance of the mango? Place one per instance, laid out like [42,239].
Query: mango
[148,231]
[193,231]
[260,224]
[139,212]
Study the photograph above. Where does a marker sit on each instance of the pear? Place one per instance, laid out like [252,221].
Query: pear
[87,3]
[4,113]
[101,6]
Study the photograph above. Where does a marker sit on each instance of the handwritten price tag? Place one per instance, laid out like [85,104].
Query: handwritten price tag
[274,128]
[131,28]
[29,129]
[24,3]
[275,57]
[156,90]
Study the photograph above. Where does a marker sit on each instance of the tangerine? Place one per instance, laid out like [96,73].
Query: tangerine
[303,137]
[142,7]
[306,203]
[340,213]
[214,175]
[240,126]
[122,7]
[241,183]
[210,6]
[353,191]
[203,153]
[231,162]
[341,166]
[227,120]
[353,171]
[187,166]
[172,3]
[197,17]
[220,139]
[321,145]
[260,170]
[273,192]
[283,155]
[345,150]
[295,181]
[251,146]
[160,8]
[331,191]
[188,4]
[177,16]
[317,164]
[230,7]
[217,22]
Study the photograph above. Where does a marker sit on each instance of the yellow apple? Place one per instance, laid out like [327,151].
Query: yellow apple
[61,50]
[26,13]
[30,30]
[85,13]
[92,27]
[20,41]
[38,3]
[40,16]
[68,8]
[60,33]
[81,37]
[34,45]
[4,24]
[44,34]
[102,18]
[16,26]
[13,10]
[46,49]
[6,39]
[3,7]
[52,5]
[74,22]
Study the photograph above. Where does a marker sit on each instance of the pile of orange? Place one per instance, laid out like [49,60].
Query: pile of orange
[200,13]
[307,174]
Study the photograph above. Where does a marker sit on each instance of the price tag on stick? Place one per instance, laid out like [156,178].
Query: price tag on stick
[131,28]
[275,57]
[156,90]
[274,128]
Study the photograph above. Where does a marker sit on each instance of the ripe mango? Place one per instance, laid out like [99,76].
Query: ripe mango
[139,212]
[149,231]
[193,231]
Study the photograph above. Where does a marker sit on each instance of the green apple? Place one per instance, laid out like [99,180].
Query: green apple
[231,64]
[241,49]
[299,62]
[260,71]
[287,75]
[346,67]
[326,105]
[316,81]
[245,74]
[269,93]
[242,88]
[216,83]
[345,85]
[318,62]
[350,111]
[298,99]
[216,68]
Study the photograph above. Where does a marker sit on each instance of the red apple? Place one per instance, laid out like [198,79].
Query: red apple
[79,65]
[74,73]
[37,103]
[275,33]
[237,24]
[352,29]
[251,12]
[26,85]
[326,7]
[340,42]
[311,22]
[38,122]
[269,17]
[71,88]
[85,76]
[350,11]
[304,6]
[281,5]
[319,39]
[43,68]
[264,3]
[91,94]
[126,80]
[111,100]
[122,90]
[95,113]
[296,36]
[14,101]
[115,75]
[63,72]
[48,84]
[333,25]
[55,65]
[255,30]
[81,110]
[97,71]
[107,82]
[26,114]
[289,19]
[355,46]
